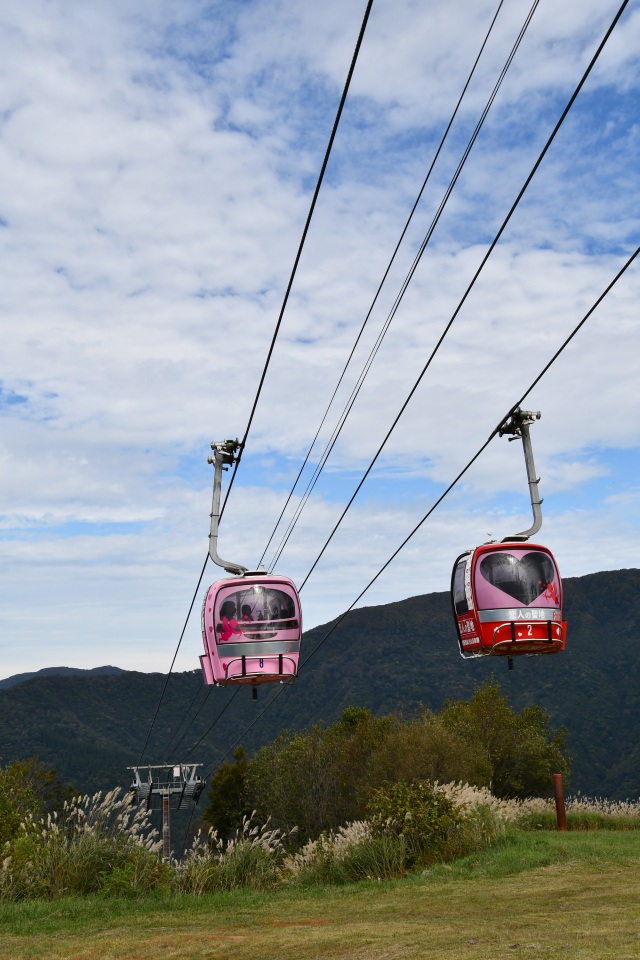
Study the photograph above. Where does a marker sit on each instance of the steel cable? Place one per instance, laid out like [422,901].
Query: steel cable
[475,277]
[273,339]
[378,291]
[164,688]
[403,289]
[300,246]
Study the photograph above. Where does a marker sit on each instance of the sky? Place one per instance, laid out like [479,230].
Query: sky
[158,163]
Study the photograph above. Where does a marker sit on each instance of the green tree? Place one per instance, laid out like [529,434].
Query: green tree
[27,787]
[522,750]
[424,748]
[294,780]
[313,779]
[227,796]
[319,779]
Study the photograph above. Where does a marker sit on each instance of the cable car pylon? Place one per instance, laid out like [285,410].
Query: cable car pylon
[252,621]
[507,597]
[159,786]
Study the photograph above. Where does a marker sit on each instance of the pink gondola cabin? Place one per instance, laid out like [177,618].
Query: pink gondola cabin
[251,629]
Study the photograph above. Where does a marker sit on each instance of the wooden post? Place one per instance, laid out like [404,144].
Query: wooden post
[558,793]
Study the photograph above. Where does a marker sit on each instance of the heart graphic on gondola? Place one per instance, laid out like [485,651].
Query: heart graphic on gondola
[522,579]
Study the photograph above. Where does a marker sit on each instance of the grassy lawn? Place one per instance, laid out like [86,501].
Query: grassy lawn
[538,895]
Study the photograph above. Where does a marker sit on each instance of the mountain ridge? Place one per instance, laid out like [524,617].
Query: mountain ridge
[58,671]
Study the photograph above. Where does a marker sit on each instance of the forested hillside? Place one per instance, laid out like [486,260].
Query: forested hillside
[395,657]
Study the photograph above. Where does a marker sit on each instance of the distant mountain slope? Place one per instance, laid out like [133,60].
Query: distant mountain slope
[57,672]
[399,656]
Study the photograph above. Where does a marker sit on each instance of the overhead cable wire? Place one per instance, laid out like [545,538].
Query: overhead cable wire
[207,690]
[273,339]
[300,246]
[237,742]
[483,262]
[210,728]
[247,729]
[382,282]
[403,289]
[164,688]
[448,490]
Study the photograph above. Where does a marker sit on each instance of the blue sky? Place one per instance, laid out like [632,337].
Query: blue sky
[158,166]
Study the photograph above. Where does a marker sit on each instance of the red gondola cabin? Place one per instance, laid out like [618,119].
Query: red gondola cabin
[507,600]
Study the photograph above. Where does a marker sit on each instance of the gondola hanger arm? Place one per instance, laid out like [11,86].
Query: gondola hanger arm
[517,424]
[224,455]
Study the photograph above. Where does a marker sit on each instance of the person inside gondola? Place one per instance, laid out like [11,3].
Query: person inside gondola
[288,610]
[229,624]
[246,614]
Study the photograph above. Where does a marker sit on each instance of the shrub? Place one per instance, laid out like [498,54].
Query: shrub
[411,825]
[423,816]
[27,787]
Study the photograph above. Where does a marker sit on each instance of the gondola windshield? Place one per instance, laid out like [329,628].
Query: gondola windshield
[516,577]
[254,612]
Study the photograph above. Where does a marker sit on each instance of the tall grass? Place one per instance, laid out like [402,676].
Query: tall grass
[252,859]
[104,845]
[354,852]
[388,847]
[96,844]
[583,813]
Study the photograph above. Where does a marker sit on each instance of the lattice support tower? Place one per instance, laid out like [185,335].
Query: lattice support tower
[165,787]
